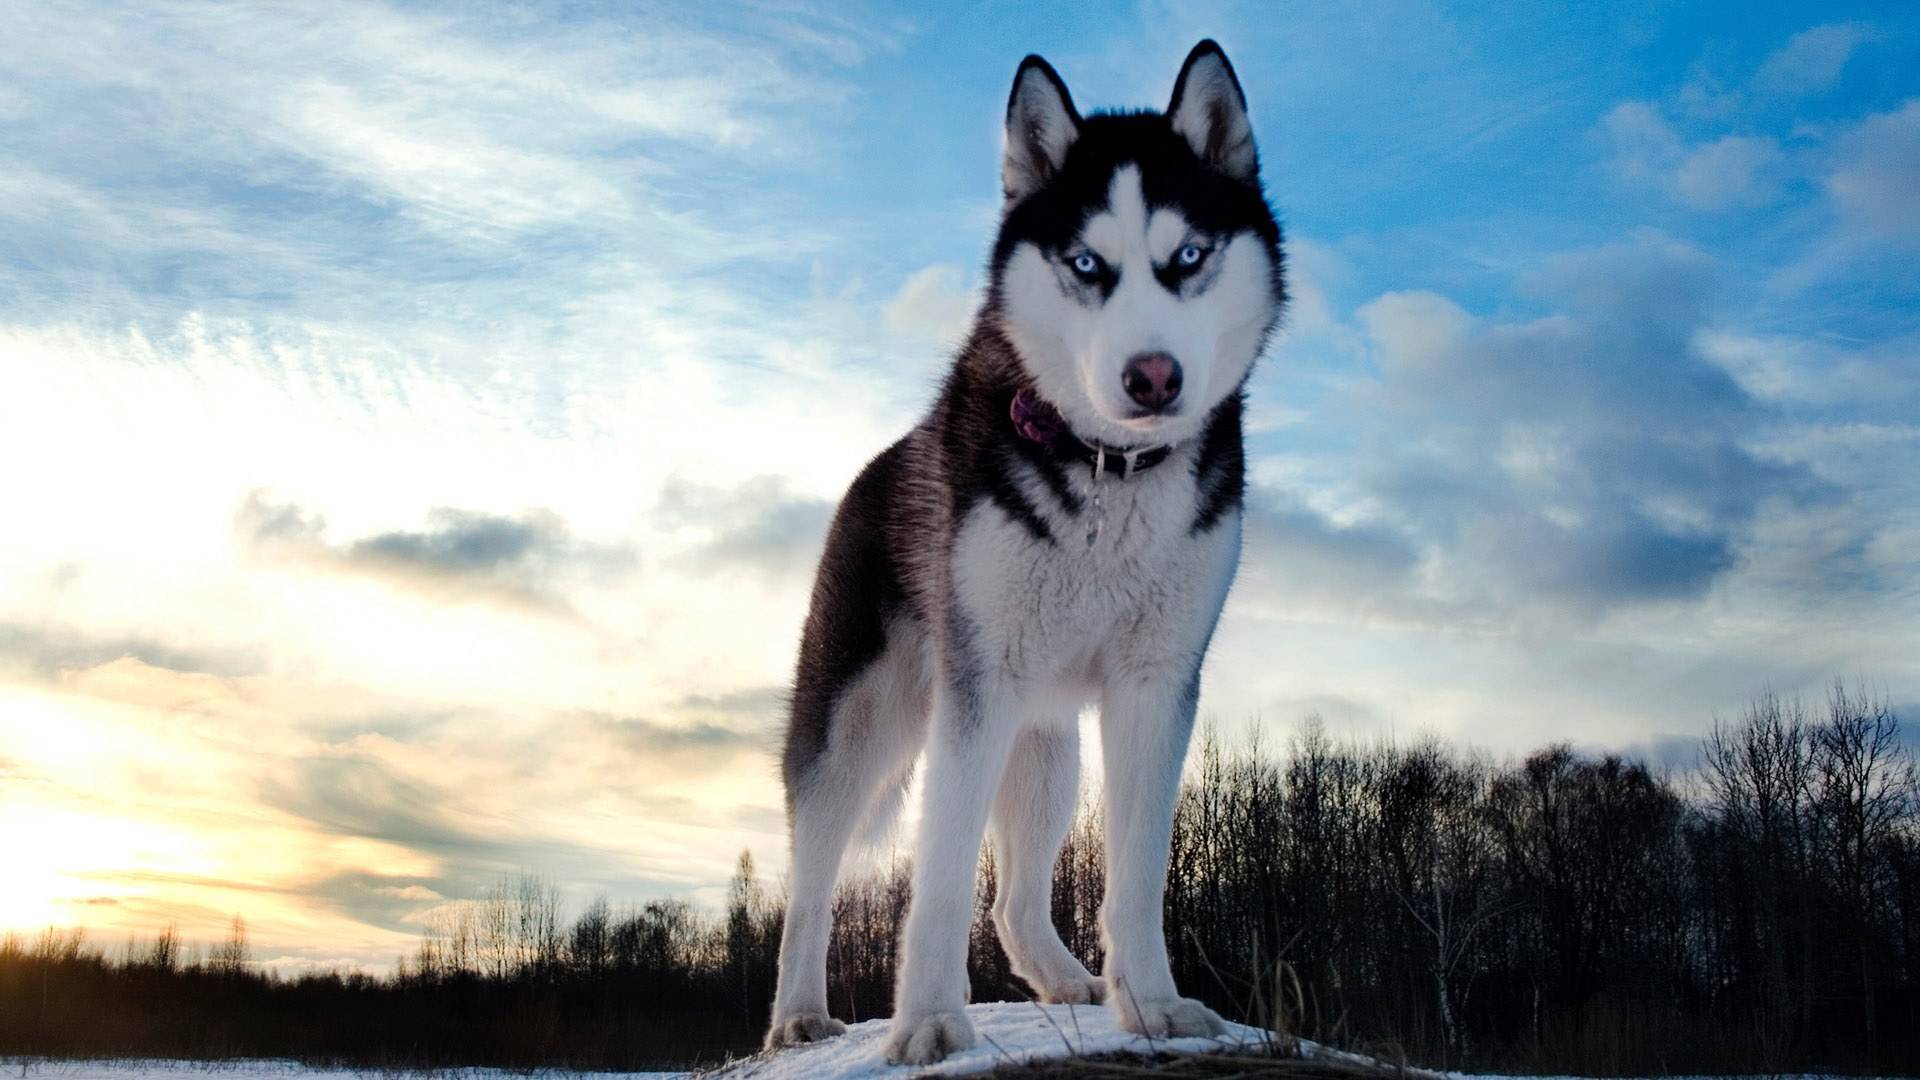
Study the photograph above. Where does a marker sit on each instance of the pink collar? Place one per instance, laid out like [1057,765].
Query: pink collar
[1038,421]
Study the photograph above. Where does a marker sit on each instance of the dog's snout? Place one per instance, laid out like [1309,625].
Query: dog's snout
[1152,380]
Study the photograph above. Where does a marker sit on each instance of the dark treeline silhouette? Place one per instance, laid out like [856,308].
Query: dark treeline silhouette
[498,980]
[1571,912]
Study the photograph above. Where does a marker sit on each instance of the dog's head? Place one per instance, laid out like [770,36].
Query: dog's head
[1137,270]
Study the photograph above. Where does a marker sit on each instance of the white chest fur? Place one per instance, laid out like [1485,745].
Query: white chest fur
[1146,591]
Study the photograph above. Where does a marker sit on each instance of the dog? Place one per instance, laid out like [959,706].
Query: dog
[1060,530]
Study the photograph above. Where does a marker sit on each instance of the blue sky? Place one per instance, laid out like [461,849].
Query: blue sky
[424,420]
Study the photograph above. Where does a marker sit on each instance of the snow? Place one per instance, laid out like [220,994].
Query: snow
[1009,1033]
[254,1069]
[1019,1033]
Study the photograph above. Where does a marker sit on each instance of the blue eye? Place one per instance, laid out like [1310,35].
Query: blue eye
[1087,265]
[1190,256]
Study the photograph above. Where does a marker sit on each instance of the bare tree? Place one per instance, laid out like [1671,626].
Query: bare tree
[163,956]
[1864,782]
[590,944]
[1760,772]
[231,957]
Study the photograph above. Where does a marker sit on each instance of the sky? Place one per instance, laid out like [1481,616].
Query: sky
[421,421]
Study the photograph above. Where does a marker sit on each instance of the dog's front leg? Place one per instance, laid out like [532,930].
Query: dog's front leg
[967,745]
[1145,720]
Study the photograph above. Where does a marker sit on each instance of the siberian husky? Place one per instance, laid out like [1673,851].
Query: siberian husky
[1061,529]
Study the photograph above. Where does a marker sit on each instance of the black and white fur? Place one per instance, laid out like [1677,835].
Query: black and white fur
[960,609]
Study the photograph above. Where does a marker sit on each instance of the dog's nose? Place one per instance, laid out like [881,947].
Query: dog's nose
[1152,380]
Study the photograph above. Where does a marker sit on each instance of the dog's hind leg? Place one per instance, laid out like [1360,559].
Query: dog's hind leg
[823,821]
[878,725]
[1031,815]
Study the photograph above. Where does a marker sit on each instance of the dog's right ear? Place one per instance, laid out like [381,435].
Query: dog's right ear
[1041,125]
[1210,110]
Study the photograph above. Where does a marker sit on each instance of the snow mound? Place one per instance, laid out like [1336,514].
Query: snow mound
[270,1069]
[1010,1033]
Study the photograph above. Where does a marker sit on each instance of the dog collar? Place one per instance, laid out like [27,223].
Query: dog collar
[1037,421]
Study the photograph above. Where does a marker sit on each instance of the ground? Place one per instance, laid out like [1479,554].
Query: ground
[1009,1034]
[19,1069]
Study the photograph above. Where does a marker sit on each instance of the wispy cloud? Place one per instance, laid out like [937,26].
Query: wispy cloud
[760,525]
[1875,177]
[1809,63]
[461,555]
[1811,60]
[1730,171]
[270,152]
[934,304]
[44,651]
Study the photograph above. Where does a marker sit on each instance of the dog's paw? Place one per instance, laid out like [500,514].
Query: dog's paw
[1060,979]
[1082,989]
[1171,1018]
[923,1040]
[803,1027]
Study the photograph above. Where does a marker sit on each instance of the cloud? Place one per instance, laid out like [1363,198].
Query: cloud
[1865,386]
[760,525]
[44,651]
[1587,454]
[460,543]
[355,794]
[263,158]
[1875,177]
[1735,170]
[934,304]
[1810,63]
[1811,60]
[1625,558]
[481,815]
[1415,329]
[394,903]
[1665,753]
[1668,285]
[460,556]
[415,893]
[1732,170]
[1645,145]
[698,745]
[444,172]
[1728,172]
[1299,559]
[1581,462]
[758,701]
[1708,97]
[1618,349]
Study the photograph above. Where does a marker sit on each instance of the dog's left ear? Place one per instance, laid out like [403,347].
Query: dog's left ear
[1210,112]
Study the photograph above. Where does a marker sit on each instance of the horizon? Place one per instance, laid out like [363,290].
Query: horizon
[425,423]
[880,860]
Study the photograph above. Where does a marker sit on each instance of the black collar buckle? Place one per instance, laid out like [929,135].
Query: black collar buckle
[1106,459]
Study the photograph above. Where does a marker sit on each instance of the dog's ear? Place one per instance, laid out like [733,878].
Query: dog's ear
[1041,125]
[1210,112]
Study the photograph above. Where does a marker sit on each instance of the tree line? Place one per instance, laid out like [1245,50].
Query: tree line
[1568,912]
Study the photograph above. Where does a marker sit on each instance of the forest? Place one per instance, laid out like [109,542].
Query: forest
[1568,912]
